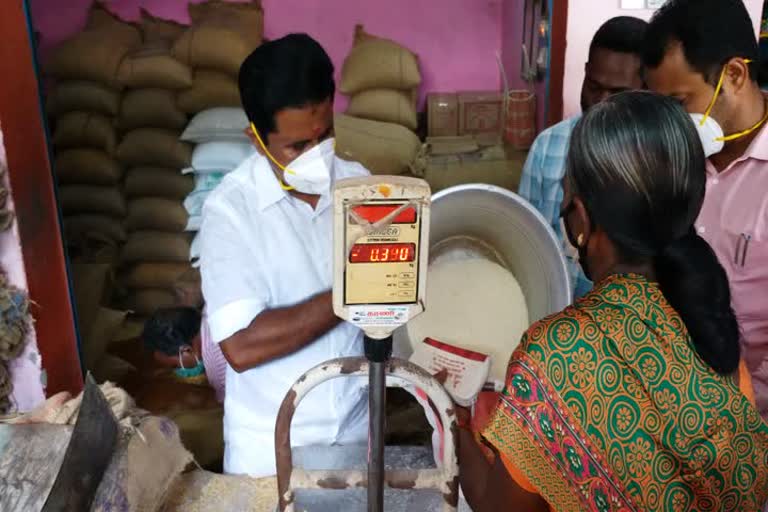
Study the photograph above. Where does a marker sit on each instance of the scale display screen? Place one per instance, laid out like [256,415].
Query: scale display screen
[375,212]
[382,253]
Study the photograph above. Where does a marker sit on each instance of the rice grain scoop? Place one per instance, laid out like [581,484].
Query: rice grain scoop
[381,251]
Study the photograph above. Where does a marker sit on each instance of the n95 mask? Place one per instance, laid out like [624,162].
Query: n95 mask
[710,134]
[311,172]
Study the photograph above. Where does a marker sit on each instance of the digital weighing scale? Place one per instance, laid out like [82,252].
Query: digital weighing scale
[381,251]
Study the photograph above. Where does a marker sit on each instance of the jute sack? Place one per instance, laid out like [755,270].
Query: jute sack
[143,469]
[222,35]
[77,227]
[188,289]
[155,213]
[91,286]
[154,147]
[376,63]
[210,89]
[86,167]
[93,247]
[146,302]
[250,9]
[85,129]
[157,247]
[386,105]
[158,182]
[201,430]
[77,95]
[97,336]
[154,275]
[151,108]
[94,54]
[100,18]
[76,199]
[154,68]
[155,29]
[383,148]
[89,55]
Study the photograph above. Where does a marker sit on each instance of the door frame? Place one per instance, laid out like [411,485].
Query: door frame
[558,29]
[36,208]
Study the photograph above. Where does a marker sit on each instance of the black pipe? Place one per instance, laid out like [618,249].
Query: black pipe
[378,353]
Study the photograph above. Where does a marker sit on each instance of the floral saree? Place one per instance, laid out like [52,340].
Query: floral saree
[607,407]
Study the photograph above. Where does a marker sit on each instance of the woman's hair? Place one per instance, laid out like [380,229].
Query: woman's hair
[636,162]
[169,329]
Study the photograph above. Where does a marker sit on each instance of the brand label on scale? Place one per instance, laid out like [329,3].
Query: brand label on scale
[378,315]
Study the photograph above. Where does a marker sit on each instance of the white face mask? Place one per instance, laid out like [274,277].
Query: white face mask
[710,133]
[311,172]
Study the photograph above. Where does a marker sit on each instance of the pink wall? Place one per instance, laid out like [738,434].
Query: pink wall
[25,369]
[584,18]
[456,39]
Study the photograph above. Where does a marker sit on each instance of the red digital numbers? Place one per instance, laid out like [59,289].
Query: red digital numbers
[382,253]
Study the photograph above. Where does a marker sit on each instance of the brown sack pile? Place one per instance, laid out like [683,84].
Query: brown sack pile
[84,105]
[221,36]
[381,78]
[150,150]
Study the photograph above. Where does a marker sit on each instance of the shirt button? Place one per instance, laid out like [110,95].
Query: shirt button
[701,230]
[715,181]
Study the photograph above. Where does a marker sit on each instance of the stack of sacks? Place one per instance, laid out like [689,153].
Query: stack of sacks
[156,252]
[222,35]
[222,145]
[382,79]
[83,105]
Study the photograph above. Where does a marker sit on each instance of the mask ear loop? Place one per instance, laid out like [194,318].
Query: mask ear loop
[714,98]
[269,155]
[707,112]
[181,359]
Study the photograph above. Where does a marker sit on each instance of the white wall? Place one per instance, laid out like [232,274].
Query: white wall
[584,18]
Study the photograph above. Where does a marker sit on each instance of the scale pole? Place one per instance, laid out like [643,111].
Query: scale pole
[378,353]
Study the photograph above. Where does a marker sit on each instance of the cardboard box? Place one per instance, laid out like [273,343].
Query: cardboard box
[481,112]
[497,165]
[442,114]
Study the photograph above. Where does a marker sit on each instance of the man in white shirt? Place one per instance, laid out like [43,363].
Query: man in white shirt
[266,261]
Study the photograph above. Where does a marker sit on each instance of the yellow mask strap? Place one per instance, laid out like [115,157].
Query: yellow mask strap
[707,112]
[714,97]
[269,155]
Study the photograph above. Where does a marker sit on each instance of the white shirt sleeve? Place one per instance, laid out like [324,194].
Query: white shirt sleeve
[234,288]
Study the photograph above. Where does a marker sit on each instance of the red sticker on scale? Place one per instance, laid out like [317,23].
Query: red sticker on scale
[375,212]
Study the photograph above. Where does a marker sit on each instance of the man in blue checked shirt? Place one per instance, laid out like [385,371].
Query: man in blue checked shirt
[613,66]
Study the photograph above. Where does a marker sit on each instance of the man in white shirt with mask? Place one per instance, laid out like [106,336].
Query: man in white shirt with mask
[266,261]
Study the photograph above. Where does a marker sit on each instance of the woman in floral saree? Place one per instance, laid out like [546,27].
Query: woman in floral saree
[632,398]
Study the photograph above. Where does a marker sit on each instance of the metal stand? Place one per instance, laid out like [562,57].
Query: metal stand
[379,367]
[378,353]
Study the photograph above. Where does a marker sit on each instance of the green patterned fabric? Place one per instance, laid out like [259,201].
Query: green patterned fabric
[623,413]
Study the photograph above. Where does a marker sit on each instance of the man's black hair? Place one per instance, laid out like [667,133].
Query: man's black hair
[291,72]
[623,34]
[168,329]
[711,32]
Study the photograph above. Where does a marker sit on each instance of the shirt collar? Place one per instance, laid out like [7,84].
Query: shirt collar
[758,148]
[265,181]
